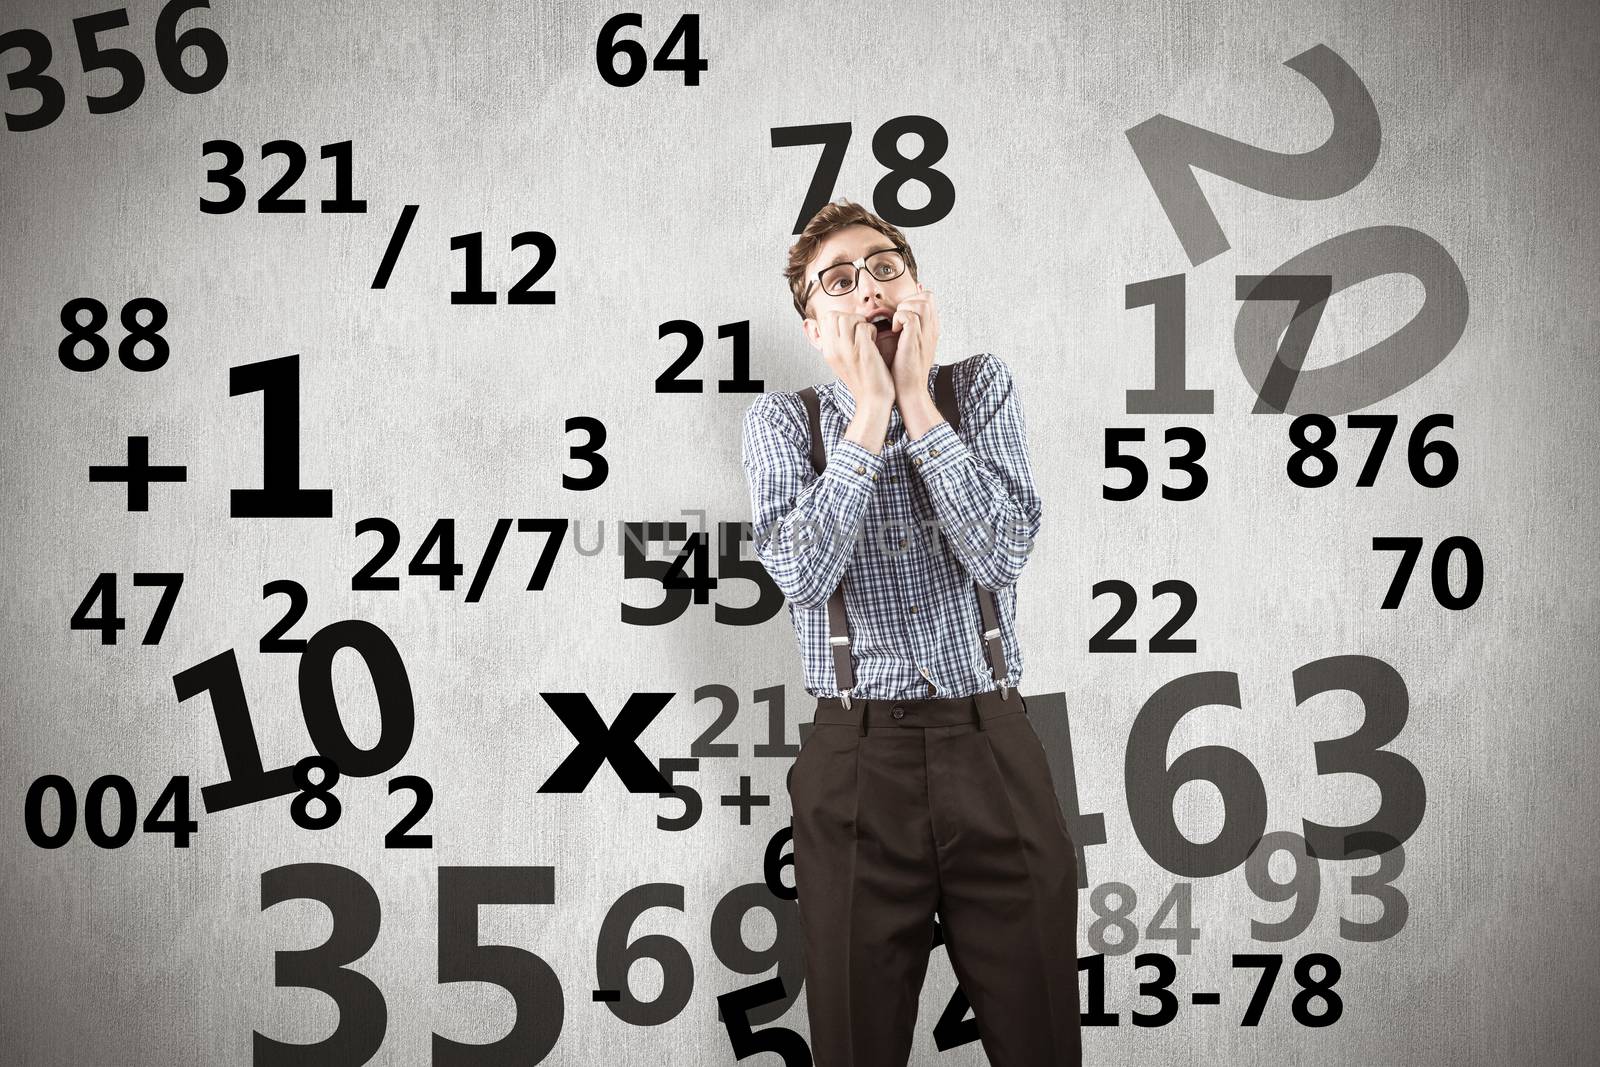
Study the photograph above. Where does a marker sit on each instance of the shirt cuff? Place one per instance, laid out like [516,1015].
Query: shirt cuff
[935,450]
[853,465]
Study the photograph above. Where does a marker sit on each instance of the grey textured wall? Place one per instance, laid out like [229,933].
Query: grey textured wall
[667,201]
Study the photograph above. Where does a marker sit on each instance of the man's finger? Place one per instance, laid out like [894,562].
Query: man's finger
[904,316]
[836,320]
[847,329]
[916,305]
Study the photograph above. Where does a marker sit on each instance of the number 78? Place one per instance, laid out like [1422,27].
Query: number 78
[834,137]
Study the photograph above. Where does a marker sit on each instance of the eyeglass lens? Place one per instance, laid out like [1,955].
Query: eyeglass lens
[885,266]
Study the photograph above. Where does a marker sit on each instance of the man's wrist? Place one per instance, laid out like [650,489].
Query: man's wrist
[869,426]
[935,450]
[919,413]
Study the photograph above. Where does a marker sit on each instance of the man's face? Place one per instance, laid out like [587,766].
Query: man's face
[869,298]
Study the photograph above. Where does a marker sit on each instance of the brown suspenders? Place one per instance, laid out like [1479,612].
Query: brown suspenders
[944,397]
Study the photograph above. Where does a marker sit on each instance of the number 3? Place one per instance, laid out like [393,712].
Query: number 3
[51,97]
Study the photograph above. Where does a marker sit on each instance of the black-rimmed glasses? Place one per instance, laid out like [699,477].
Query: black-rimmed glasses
[840,279]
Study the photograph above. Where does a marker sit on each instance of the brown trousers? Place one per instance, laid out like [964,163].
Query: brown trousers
[906,808]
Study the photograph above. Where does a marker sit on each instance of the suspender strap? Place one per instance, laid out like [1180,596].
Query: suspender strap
[813,403]
[844,671]
[991,638]
[838,622]
[944,398]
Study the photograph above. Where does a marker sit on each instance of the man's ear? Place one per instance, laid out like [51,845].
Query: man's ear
[813,333]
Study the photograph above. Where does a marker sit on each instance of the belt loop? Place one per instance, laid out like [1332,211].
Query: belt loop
[864,705]
[977,710]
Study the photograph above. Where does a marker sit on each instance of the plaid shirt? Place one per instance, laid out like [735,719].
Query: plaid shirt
[907,530]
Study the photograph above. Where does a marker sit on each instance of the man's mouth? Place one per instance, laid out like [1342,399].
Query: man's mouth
[887,340]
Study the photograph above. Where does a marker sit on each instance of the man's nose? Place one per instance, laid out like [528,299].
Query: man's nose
[868,289]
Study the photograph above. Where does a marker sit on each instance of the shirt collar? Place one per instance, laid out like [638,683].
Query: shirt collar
[838,394]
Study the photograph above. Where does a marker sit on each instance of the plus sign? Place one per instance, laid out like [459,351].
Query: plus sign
[138,474]
[744,800]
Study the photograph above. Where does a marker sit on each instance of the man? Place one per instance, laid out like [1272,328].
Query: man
[922,786]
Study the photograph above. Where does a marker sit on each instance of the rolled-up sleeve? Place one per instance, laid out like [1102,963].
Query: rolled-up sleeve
[806,526]
[982,487]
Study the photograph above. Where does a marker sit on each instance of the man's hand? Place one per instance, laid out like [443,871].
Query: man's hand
[916,320]
[849,345]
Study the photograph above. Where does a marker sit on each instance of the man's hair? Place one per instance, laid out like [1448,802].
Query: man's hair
[832,217]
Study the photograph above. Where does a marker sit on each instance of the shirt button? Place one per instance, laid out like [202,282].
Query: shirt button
[902,542]
[874,477]
[913,609]
[918,461]
[899,712]
[860,469]
[933,451]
